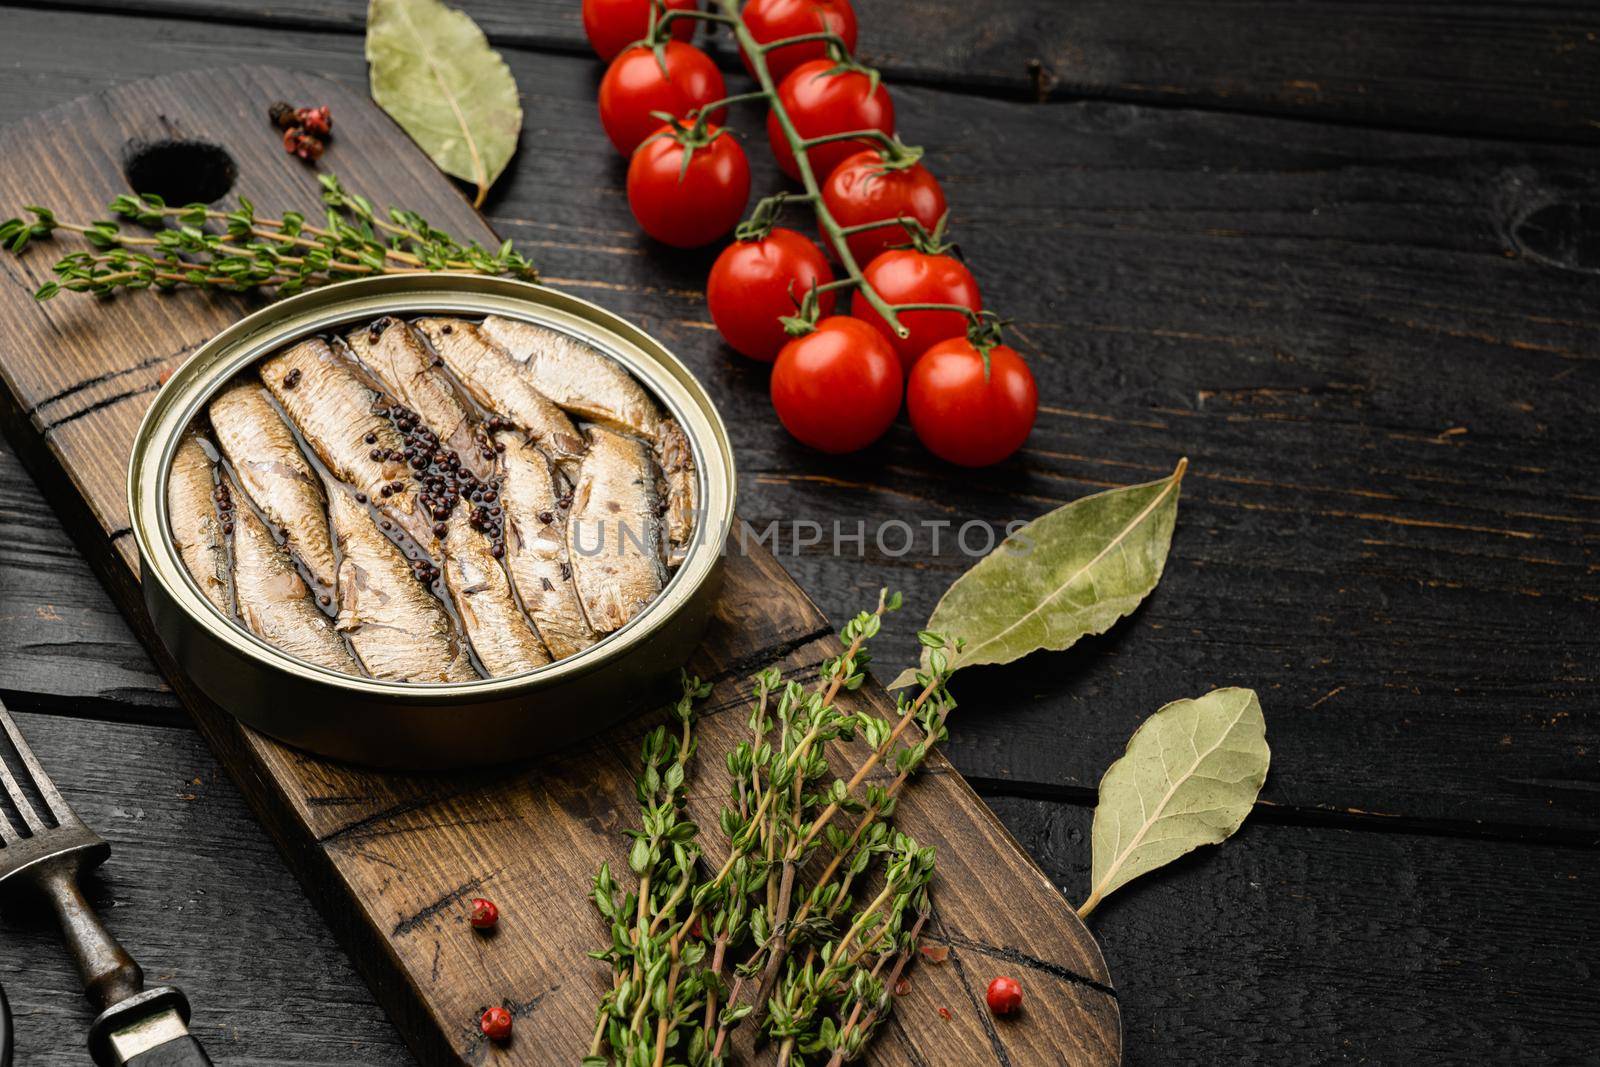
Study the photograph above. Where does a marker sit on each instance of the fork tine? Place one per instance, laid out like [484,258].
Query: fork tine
[9,834]
[29,816]
[41,780]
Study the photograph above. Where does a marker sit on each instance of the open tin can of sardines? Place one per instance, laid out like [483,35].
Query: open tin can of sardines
[432,520]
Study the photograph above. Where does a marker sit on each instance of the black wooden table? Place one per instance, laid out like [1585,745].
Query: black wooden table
[1346,257]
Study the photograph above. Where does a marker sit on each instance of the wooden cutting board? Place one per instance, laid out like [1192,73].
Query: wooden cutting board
[390,858]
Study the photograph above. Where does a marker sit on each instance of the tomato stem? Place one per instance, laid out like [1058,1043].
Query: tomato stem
[803,38]
[930,242]
[876,224]
[761,220]
[736,98]
[984,331]
[893,153]
[660,27]
[879,136]
[755,53]
[971,315]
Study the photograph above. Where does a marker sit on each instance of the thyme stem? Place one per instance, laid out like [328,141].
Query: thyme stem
[183,247]
[667,992]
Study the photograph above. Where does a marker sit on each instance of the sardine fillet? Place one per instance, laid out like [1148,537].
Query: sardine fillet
[478,585]
[536,548]
[196,529]
[614,535]
[404,365]
[399,630]
[677,468]
[272,471]
[275,603]
[332,407]
[475,581]
[575,376]
[597,388]
[496,383]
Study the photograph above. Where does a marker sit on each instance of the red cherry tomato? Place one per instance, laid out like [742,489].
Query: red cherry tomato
[819,103]
[1004,996]
[963,418]
[770,20]
[837,388]
[907,276]
[693,206]
[612,25]
[753,283]
[634,87]
[859,191]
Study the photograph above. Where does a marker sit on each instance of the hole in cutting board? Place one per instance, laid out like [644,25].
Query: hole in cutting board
[180,172]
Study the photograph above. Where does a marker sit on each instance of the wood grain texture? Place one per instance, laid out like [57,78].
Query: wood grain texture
[1332,946]
[1325,308]
[1377,350]
[196,892]
[391,858]
[1361,942]
[1381,391]
[1520,69]
[63,644]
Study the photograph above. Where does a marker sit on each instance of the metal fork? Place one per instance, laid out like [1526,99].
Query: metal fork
[45,851]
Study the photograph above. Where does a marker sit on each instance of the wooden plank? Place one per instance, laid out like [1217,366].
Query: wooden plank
[1523,69]
[1381,388]
[391,856]
[1324,946]
[63,644]
[1377,358]
[196,892]
[1491,936]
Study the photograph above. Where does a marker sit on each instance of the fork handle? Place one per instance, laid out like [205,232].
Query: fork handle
[150,1029]
[180,1052]
[109,974]
[137,1027]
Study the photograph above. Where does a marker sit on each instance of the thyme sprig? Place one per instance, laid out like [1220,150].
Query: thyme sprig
[239,250]
[854,852]
[690,923]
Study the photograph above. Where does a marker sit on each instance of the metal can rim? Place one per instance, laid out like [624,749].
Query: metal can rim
[246,341]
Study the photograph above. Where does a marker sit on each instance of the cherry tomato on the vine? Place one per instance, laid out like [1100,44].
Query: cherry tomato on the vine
[908,276]
[837,388]
[694,205]
[612,25]
[634,86]
[861,190]
[755,282]
[771,20]
[963,417]
[820,99]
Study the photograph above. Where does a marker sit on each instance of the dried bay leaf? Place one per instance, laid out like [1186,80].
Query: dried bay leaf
[1189,777]
[431,68]
[1067,574]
